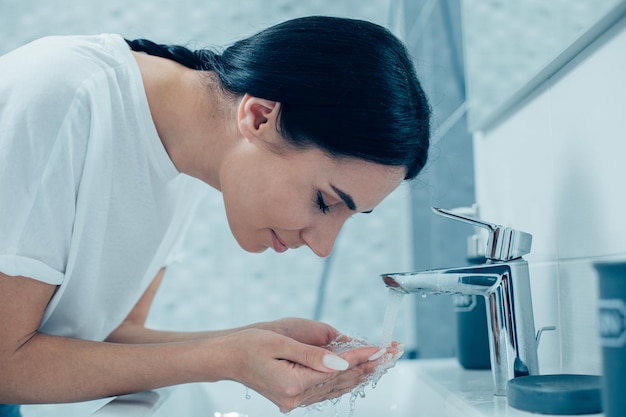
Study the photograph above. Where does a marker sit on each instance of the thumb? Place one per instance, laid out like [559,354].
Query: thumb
[334,362]
[316,358]
[331,362]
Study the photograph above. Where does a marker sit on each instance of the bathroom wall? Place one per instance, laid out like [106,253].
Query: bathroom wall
[555,167]
[432,32]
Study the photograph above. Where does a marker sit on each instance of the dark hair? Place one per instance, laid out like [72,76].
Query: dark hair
[346,86]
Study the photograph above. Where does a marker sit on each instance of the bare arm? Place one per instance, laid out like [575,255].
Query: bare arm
[40,368]
[133,329]
[37,367]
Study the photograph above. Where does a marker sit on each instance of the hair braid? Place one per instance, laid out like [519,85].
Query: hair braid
[202,59]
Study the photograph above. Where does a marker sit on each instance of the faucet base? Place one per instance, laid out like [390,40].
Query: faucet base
[506,287]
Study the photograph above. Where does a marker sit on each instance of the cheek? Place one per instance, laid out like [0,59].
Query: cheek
[250,202]
[283,208]
[270,195]
[240,205]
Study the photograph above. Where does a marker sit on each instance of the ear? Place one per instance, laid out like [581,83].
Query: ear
[256,115]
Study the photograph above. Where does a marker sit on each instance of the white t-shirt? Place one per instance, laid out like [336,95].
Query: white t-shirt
[89,199]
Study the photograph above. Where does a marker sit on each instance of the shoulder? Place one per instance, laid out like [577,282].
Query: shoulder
[48,89]
[43,79]
[68,53]
[54,67]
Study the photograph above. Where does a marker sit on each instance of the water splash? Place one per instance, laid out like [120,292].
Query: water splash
[387,361]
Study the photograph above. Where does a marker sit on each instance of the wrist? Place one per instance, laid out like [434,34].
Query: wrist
[209,360]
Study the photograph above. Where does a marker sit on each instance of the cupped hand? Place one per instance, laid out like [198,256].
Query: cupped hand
[291,373]
[303,330]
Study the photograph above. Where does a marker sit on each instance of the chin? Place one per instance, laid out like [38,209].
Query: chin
[258,250]
[252,248]
[249,245]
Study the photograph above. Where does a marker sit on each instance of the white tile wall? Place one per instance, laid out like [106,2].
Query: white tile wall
[556,169]
[577,303]
[543,276]
[589,109]
[515,174]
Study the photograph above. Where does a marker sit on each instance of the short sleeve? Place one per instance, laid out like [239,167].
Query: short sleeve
[41,151]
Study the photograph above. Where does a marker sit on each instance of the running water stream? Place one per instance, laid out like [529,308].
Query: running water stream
[394,300]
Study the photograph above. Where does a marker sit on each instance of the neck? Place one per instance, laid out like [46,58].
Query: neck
[194,120]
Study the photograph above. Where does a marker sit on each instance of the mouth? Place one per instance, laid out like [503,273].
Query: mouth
[278,245]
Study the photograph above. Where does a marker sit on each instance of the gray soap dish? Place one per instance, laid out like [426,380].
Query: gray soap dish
[556,394]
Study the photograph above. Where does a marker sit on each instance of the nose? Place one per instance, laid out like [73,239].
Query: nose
[322,236]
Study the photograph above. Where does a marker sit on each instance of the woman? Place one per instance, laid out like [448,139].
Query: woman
[106,146]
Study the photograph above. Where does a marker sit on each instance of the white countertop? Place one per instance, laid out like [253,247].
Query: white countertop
[456,392]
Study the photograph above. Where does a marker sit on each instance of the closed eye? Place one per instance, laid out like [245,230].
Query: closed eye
[321,203]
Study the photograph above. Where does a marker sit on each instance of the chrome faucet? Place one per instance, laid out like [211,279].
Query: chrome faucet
[505,283]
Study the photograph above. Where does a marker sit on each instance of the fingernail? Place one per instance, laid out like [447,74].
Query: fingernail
[335,363]
[377,355]
[399,353]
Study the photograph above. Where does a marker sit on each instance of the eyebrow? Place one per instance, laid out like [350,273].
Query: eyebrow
[345,197]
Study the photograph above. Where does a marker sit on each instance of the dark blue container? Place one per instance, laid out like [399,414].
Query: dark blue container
[612,326]
[472,336]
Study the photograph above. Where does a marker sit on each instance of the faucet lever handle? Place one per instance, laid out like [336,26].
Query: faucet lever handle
[503,244]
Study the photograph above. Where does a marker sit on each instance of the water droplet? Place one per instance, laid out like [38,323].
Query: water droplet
[248,396]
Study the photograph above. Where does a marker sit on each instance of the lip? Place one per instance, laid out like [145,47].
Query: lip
[278,245]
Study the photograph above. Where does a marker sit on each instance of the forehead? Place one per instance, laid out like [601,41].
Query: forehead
[368,175]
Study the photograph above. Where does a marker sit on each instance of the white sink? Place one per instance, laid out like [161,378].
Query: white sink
[417,388]
[414,388]
[393,397]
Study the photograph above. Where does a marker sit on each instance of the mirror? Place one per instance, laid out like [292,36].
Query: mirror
[509,47]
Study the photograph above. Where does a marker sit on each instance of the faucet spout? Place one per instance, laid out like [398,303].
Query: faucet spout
[506,287]
[443,281]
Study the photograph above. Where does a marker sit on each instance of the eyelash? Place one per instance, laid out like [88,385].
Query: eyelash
[321,203]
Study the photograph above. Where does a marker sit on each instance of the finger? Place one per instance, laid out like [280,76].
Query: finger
[336,385]
[313,357]
[359,374]
[363,354]
[334,363]
[319,397]
[310,332]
